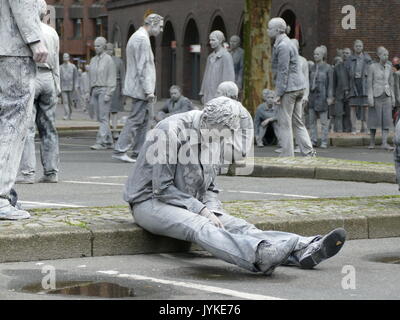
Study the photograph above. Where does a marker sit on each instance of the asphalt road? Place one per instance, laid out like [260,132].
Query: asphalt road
[355,273]
[93,178]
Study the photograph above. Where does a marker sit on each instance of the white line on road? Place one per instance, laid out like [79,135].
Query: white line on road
[48,204]
[271,194]
[109,177]
[96,183]
[190,285]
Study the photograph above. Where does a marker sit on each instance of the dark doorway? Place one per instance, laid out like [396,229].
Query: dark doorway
[191,61]
[131,31]
[294,24]
[168,49]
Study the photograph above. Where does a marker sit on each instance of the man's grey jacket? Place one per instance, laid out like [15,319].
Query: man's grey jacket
[286,68]
[19,26]
[140,77]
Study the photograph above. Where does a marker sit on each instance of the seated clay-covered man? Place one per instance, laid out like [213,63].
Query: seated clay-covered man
[265,121]
[172,192]
[177,104]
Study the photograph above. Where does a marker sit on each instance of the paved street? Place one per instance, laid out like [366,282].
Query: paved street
[92,178]
[197,276]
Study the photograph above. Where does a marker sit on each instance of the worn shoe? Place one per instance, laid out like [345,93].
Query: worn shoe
[324,146]
[98,147]
[270,257]
[325,248]
[12,213]
[123,157]
[312,154]
[260,145]
[279,150]
[25,179]
[297,150]
[387,147]
[51,178]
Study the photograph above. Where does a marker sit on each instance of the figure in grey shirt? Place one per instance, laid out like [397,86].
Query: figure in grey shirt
[69,84]
[140,84]
[177,104]
[20,47]
[290,87]
[47,89]
[265,121]
[175,195]
[238,59]
[103,81]
[219,67]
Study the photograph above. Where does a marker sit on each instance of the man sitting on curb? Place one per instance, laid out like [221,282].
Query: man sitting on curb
[172,192]
[177,104]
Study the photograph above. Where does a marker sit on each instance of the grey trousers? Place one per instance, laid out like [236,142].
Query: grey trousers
[237,244]
[289,115]
[263,130]
[17,87]
[323,117]
[44,118]
[67,103]
[134,131]
[353,116]
[102,110]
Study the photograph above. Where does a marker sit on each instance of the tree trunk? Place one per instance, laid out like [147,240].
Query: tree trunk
[257,45]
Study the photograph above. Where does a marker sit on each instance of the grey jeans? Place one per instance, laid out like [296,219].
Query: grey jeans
[17,87]
[134,131]
[67,103]
[237,244]
[102,109]
[289,114]
[44,117]
[323,118]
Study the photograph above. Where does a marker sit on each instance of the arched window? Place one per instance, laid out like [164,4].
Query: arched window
[168,51]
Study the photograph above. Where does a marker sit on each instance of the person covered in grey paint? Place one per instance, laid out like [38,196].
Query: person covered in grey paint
[176,104]
[47,90]
[321,97]
[244,139]
[357,68]
[117,101]
[139,88]
[381,98]
[84,86]
[290,87]
[219,67]
[397,152]
[176,196]
[69,84]
[265,121]
[238,59]
[103,81]
[21,46]
[340,92]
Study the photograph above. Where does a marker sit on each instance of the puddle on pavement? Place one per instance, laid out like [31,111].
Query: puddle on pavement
[84,289]
[391,260]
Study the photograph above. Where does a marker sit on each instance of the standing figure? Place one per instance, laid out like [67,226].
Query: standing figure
[69,84]
[396,76]
[357,68]
[47,90]
[116,102]
[290,87]
[219,67]
[178,198]
[397,152]
[265,121]
[381,98]
[321,96]
[20,47]
[238,59]
[177,104]
[85,92]
[103,80]
[139,88]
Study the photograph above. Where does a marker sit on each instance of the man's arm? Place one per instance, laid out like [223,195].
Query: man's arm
[111,75]
[282,75]
[56,69]
[141,57]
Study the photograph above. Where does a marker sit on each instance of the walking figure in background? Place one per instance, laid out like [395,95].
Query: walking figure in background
[69,84]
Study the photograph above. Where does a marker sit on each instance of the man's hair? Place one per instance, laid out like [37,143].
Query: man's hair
[229,89]
[110,45]
[381,50]
[236,37]
[222,110]
[42,8]
[102,39]
[268,91]
[66,55]
[358,41]
[175,87]
[153,19]
[219,34]
[281,24]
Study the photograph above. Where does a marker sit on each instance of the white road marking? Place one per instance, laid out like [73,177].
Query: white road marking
[50,204]
[96,183]
[271,194]
[190,285]
[109,177]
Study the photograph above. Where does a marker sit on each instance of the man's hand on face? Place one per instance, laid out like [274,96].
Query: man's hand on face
[39,51]
[212,217]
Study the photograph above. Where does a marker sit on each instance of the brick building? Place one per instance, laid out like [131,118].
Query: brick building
[78,23]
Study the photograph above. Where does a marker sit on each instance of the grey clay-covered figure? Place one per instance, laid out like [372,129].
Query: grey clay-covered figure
[238,59]
[176,104]
[69,84]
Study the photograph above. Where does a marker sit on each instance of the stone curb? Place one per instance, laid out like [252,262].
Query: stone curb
[128,238]
[318,172]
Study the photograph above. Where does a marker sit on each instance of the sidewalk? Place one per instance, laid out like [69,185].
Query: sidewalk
[90,232]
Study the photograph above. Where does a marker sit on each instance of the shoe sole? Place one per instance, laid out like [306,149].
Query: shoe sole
[331,245]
